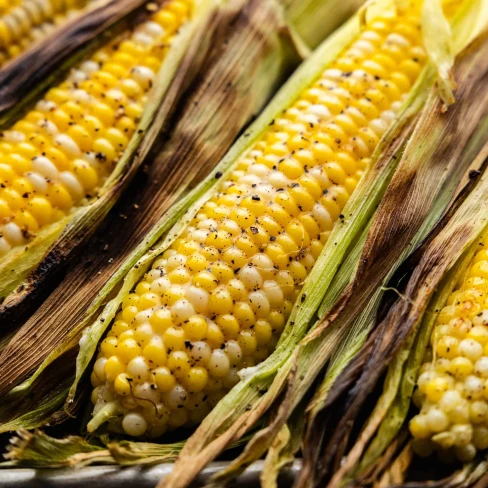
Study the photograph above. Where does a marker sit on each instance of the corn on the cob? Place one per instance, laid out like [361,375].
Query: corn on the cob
[29,20]
[218,299]
[452,389]
[58,156]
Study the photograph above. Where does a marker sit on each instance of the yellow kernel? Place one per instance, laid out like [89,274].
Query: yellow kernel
[195,328]
[174,338]
[109,346]
[155,352]
[121,385]
[113,367]
[178,363]
[196,379]
[128,349]
[164,379]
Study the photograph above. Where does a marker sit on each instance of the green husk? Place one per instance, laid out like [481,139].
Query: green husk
[55,243]
[313,19]
[272,47]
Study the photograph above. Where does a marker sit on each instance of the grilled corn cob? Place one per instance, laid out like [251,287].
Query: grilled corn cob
[217,301]
[29,20]
[58,156]
[452,389]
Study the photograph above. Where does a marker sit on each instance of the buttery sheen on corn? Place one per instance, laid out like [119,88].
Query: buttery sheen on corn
[217,301]
[22,22]
[58,156]
[453,385]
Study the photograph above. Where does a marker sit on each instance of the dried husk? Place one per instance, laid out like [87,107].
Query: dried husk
[469,63]
[26,271]
[255,31]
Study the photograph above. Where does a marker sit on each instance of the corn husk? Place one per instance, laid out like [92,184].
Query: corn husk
[202,130]
[25,271]
[313,18]
[391,409]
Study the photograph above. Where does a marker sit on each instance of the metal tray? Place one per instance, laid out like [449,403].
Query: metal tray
[128,477]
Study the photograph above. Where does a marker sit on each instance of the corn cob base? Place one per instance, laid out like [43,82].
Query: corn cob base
[58,156]
[217,301]
[452,388]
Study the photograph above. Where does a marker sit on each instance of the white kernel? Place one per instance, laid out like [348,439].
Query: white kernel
[388,116]
[89,66]
[134,424]
[259,170]
[49,127]
[77,76]
[379,126]
[208,224]
[395,106]
[198,298]
[364,46]
[200,352]
[481,318]
[145,392]
[144,76]
[320,111]
[115,95]
[67,145]
[160,285]
[250,277]
[99,368]
[143,39]
[471,349]
[38,182]
[4,246]
[74,187]
[81,96]
[152,275]
[259,303]
[45,106]
[182,310]
[481,367]
[233,351]
[437,420]
[278,179]
[397,40]
[138,369]
[153,29]
[320,175]
[249,180]
[321,215]
[175,261]
[262,262]
[198,235]
[144,316]
[462,434]
[473,386]
[13,136]
[176,397]
[12,233]
[333,74]
[273,293]
[450,400]
[45,167]
[218,364]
